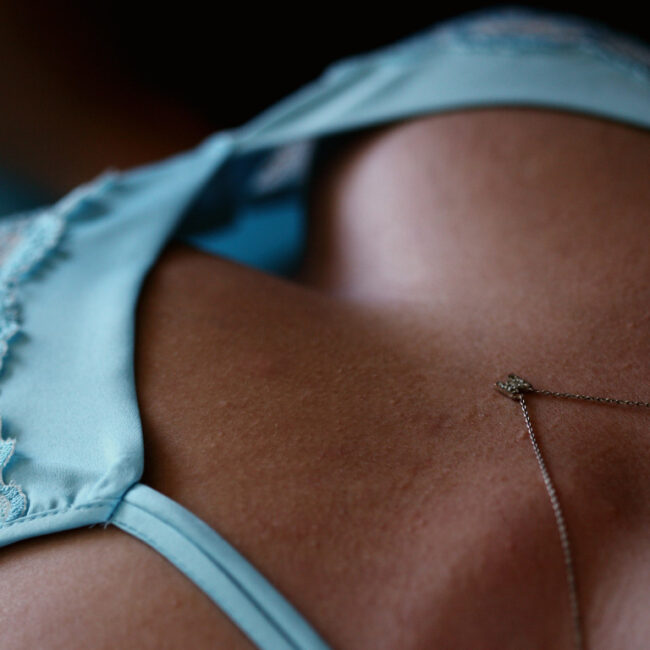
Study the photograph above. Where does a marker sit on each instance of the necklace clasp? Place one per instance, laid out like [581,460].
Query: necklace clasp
[513,387]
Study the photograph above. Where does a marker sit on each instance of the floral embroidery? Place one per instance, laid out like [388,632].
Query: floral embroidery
[26,240]
[13,502]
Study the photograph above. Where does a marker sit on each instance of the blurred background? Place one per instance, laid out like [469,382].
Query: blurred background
[92,85]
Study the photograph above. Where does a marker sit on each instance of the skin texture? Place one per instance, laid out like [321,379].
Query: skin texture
[341,430]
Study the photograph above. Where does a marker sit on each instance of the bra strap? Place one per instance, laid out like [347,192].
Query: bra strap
[214,566]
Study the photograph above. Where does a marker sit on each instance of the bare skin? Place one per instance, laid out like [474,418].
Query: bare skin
[340,427]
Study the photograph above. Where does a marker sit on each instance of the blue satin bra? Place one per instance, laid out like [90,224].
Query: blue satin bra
[71,449]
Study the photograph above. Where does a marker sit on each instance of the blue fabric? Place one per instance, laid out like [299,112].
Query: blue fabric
[207,559]
[70,274]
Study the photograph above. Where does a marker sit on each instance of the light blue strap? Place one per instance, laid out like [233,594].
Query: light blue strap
[248,598]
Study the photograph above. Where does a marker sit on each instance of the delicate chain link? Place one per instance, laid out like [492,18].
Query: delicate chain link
[562,530]
[515,388]
[591,398]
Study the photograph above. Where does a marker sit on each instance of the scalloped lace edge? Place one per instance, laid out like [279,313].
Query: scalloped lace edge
[26,241]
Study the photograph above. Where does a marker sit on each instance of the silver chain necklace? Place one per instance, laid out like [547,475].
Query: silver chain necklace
[515,388]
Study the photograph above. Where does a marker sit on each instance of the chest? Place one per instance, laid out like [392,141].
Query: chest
[392,508]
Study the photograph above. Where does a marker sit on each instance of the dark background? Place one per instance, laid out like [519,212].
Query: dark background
[230,62]
[91,85]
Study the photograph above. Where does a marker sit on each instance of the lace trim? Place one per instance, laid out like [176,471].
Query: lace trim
[26,240]
[13,502]
[517,30]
